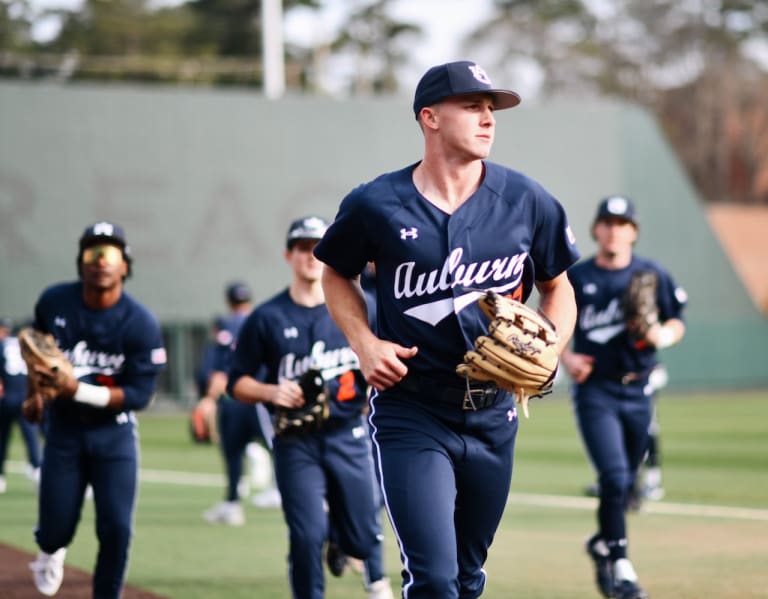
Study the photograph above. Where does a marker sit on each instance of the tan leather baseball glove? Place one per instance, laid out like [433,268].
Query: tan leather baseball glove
[519,352]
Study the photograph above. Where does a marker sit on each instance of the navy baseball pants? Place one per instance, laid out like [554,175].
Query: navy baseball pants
[10,412]
[613,420]
[105,456]
[333,467]
[239,424]
[446,475]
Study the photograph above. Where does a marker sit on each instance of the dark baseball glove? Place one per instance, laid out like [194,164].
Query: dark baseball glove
[312,414]
[48,369]
[639,303]
[519,352]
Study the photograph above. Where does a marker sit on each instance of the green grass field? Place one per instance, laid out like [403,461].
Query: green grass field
[707,539]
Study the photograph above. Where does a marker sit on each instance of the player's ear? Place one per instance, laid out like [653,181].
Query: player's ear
[429,117]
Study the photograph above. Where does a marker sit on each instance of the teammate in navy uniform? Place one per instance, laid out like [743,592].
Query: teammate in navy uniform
[116,348]
[283,338]
[238,424]
[610,368]
[13,391]
[438,232]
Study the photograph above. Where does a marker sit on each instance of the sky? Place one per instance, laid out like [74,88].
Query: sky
[445,23]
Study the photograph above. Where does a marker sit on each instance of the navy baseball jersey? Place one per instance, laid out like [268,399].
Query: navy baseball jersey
[120,346]
[13,371]
[600,330]
[431,266]
[282,340]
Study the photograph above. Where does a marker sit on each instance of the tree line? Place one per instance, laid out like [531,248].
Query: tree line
[698,65]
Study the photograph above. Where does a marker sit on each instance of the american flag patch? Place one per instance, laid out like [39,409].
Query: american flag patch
[158,356]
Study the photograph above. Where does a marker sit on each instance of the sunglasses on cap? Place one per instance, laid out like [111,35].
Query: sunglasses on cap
[111,254]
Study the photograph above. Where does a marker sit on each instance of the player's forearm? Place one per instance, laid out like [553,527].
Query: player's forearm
[248,390]
[217,384]
[346,304]
[559,304]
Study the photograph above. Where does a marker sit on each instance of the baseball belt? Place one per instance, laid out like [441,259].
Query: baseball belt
[472,396]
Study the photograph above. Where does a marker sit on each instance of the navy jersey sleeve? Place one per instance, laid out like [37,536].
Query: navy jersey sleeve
[346,245]
[553,249]
[145,357]
[671,297]
[248,355]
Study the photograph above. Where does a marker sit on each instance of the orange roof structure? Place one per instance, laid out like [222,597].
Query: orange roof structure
[743,233]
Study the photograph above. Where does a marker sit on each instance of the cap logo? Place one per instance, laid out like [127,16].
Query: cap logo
[617,205]
[103,228]
[313,223]
[479,73]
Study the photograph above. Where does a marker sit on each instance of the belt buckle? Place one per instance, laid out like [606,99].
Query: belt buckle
[468,403]
[484,396]
[629,378]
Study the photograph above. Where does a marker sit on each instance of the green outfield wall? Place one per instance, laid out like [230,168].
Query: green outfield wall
[205,183]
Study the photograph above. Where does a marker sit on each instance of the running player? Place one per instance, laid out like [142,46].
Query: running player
[612,393]
[116,348]
[238,424]
[437,232]
[13,391]
[325,474]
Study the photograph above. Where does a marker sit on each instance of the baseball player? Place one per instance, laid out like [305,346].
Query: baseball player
[238,424]
[330,466]
[116,348]
[610,369]
[13,391]
[440,232]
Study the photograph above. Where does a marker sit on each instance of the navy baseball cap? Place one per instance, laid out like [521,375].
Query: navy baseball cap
[616,207]
[6,322]
[459,79]
[102,232]
[308,227]
[238,292]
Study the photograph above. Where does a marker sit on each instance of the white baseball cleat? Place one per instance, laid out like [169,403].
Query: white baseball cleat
[267,499]
[48,571]
[380,589]
[226,512]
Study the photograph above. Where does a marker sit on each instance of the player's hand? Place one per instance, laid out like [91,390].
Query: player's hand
[54,383]
[381,363]
[32,408]
[288,394]
[578,366]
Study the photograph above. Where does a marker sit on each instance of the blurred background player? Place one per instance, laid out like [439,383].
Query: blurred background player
[116,348]
[648,483]
[238,424]
[610,368]
[325,475]
[13,391]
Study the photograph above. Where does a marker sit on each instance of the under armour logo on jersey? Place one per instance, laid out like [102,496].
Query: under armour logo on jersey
[413,233]
[590,289]
[103,228]
[291,333]
[479,73]
[511,414]
[60,321]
